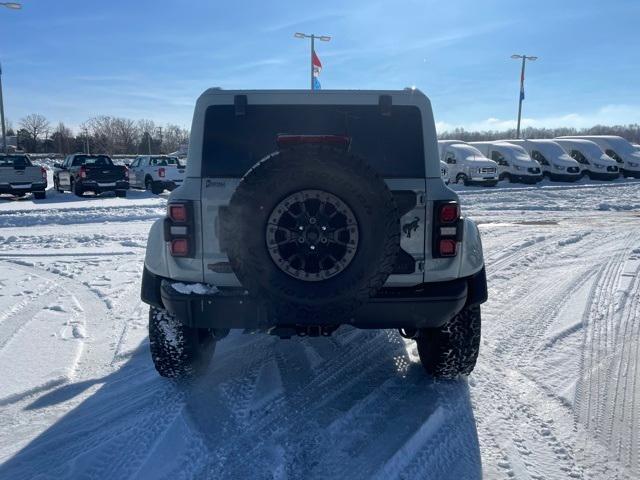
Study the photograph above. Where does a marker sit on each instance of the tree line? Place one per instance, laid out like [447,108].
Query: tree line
[117,135]
[100,134]
[630,132]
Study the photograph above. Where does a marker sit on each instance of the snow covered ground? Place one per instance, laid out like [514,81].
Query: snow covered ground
[556,393]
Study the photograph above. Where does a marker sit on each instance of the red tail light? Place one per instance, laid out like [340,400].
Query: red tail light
[179,247]
[161,172]
[449,212]
[43,172]
[178,212]
[178,229]
[447,248]
[447,229]
[83,172]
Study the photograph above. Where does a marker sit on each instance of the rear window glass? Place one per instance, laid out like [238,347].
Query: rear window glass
[164,161]
[392,144]
[99,160]
[14,161]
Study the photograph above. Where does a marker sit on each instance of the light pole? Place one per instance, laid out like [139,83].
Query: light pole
[322,38]
[524,60]
[11,6]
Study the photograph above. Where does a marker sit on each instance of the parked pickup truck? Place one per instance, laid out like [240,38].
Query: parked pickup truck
[18,176]
[156,173]
[81,173]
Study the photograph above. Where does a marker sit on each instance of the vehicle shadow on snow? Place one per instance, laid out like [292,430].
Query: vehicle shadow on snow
[351,406]
[356,405]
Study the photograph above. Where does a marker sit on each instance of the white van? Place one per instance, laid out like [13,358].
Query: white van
[553,160]
[627,158]
[514,163]
[467,164]
[444,173]
[593,161]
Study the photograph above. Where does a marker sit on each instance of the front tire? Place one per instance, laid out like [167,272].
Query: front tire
[121,193]
[40,195]
[177,351]
[462,178]
[451,350]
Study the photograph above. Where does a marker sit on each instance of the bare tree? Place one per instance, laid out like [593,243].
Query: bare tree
[34,126]
[102,133]
[146,129]
[62,139]
[174,137]
[125,135]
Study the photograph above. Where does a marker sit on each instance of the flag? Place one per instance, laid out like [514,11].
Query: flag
[317,67]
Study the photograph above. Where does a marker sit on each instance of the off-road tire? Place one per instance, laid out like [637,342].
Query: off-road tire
[177,351]
[121,193]
[451,350]
[312,167]
[40,195]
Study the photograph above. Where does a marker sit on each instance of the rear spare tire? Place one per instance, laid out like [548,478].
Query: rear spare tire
[314,232]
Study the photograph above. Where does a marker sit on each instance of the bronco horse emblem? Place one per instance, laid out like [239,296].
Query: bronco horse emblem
[407,228]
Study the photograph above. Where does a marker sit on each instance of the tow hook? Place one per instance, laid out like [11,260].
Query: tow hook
[316,330]
[286,332]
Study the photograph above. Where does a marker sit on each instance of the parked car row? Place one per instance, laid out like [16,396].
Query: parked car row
[566,159]
[80,173]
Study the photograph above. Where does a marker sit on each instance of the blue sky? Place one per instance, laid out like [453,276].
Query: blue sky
[71,60]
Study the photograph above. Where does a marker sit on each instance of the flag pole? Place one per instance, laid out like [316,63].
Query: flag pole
[524,58]
[313,37]
[322,38]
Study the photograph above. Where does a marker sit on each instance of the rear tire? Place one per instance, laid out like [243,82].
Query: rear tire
[77,189]
[154,187]
[451,350]
[40,195]
[177,351]
[121,193]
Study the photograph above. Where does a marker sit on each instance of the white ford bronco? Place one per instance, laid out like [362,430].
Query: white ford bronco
[304,211]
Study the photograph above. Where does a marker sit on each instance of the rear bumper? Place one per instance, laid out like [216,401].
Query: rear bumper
[11,189]
[427,305]
[95,186]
